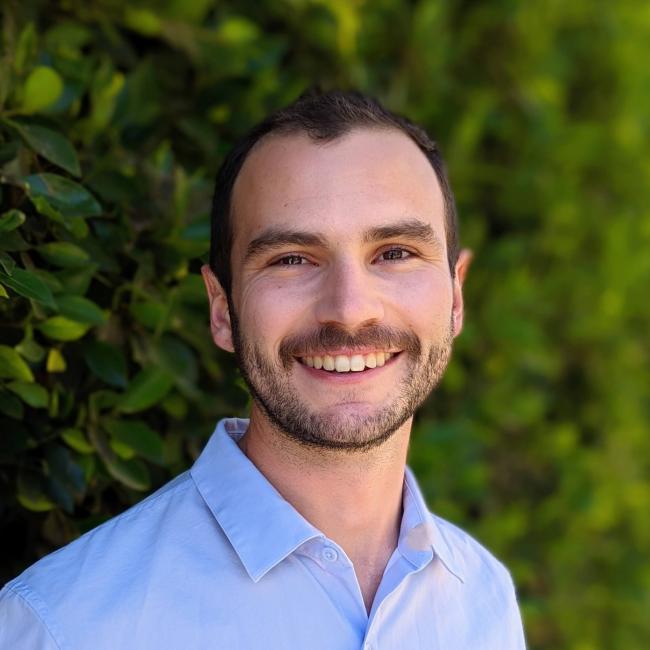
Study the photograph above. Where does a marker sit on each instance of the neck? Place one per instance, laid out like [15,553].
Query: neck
[354,498]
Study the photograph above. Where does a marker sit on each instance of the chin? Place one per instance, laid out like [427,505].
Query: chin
[344,428]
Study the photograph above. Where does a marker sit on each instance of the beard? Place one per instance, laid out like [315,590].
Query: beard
[270,384]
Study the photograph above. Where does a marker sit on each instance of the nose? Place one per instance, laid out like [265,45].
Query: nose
[349,296]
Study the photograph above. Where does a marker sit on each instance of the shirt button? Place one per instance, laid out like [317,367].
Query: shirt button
[330,554]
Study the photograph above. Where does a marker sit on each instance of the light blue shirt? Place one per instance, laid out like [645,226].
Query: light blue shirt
[218,559]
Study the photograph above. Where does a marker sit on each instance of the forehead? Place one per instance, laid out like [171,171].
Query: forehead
[367,178]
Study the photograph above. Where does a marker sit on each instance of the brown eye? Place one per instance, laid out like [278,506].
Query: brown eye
[290,260]
[395,254]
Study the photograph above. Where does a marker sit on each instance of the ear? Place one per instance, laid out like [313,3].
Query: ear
[462,265]
[219,311]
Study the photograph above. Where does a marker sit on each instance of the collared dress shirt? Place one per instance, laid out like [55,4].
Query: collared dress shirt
[217,559]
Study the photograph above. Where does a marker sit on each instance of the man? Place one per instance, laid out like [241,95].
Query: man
[336,279]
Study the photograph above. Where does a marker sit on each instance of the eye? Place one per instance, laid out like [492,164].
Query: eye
[395,255]
[290,260]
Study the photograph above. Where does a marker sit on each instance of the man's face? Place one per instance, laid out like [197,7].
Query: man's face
[343,308]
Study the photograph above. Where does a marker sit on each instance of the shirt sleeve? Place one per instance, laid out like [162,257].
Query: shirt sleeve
[517,639]
[21,628]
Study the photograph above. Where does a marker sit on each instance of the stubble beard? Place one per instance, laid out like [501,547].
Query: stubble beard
[271,387]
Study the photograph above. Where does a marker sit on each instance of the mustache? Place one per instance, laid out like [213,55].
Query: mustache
[331,336]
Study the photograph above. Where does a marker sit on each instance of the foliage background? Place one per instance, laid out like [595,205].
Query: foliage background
[114,117]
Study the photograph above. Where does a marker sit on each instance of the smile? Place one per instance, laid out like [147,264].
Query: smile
[347,363]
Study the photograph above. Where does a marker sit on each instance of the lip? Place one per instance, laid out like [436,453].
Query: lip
[334,377]
[348,352]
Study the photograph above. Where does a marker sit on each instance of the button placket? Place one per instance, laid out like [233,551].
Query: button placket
[330,554]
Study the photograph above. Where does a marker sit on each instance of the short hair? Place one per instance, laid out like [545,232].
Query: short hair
[324,117]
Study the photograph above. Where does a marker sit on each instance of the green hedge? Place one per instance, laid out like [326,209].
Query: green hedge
[113,120]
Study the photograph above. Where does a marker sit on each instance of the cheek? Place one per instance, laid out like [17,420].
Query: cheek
[271,309]
[425,302]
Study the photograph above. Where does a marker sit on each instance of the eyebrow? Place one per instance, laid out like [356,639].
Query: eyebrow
[409,228]
[277,238]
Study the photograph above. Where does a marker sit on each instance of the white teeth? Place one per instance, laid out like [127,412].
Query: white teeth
[357,363]
[344,363]
[341,363]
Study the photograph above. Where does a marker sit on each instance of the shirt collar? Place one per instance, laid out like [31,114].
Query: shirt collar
[264,528]
[421,536]
[261,525]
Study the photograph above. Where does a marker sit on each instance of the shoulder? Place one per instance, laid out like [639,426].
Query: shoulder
[476,565]
[105,561]
[487,588]
[112,541]
[122,533]
[24,620]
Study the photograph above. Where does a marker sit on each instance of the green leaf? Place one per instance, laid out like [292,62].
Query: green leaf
[65,196]
[191,290]
[144,21]
[175,405]
[103,399]
[64,477]
[77,281]
[11,406]
[32,394]
[35,500]
[61,493]
[188,11]
[47,210]
[9,150]
[67,35]
[148,387]
[88,464]
[133,473]
[7,263]
[121,450]
[55,361]
[138,436]
[12,366]
[237,30]
[105,94]
[179,360]
[61,328]
[115,187]
[49,278]
[80,309]
[28,285]
[177,357]
[106,362]
[64,254]
[43,88]
[148,313]
[77,440]
[53,410]
[49,144]
[11,220]
[31,350]
[26,47]
[62,467]
[13,241]
[31,495]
